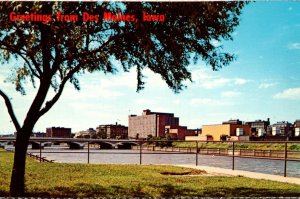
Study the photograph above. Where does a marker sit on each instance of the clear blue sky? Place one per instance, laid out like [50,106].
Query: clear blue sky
[263,82]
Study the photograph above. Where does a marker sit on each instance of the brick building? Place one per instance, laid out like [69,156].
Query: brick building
[297,124]
[179,132]
[112,131]
[221,131]
[58,132]
[237,121]
[280,128]
[89,133]
[259,127]
[297,128]
[150,123]
[38,134]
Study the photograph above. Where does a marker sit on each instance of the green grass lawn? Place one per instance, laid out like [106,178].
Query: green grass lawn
[257,146]
[82,180]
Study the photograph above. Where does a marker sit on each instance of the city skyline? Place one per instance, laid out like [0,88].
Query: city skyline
[262,83]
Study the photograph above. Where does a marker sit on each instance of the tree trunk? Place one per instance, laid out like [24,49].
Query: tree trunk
[17,184]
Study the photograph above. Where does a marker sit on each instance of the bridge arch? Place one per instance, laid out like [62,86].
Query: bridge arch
[126,145]
[77,145]
[40,145]
[104,144]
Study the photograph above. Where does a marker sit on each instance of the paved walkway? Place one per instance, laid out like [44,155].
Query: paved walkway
[229,172]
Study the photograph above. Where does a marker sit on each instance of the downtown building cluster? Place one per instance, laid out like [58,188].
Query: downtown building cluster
[160,124]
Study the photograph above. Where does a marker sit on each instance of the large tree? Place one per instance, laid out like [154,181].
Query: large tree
[53,52]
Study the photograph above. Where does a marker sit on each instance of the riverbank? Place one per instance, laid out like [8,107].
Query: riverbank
[227,145]
[273,163]
[226,151]
[88,180]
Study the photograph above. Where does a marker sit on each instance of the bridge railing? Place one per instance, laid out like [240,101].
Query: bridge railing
[232,149]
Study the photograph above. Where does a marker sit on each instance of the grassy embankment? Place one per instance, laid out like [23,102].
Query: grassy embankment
[82,180]
[257,146]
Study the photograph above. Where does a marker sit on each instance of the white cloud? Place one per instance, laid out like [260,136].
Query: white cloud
[230,94]
[291,93]
[240,81]
[153,80]
[235,33]
[146,102]
[201,74]
[266,85]
[201,101]
[215,83]
[82,107]
[4,84]
[127,79]
[176,102]
[207,102]
[216,43]
[2,78]
[88,93]
[207,80]
[220,82]
[293,46]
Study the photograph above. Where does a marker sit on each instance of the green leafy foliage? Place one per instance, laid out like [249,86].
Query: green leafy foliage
[241,145]
[59,48]
[160,141]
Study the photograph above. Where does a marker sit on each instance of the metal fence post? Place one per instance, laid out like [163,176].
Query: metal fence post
[196,153]
[232,155]
[140,153]
[40,151]
[285,158]
[88,152]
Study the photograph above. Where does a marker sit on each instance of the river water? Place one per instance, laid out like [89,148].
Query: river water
[115,156]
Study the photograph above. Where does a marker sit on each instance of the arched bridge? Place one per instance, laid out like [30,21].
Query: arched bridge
[76,143]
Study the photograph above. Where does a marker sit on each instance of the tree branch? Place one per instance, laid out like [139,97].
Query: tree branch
[30,67]
[57,60]
[45,47]
[13,48]
[10,110]
[112,38]
[10,48]
[37,67]
[50,103]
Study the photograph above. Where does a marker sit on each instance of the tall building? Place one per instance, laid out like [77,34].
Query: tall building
[112,131]
[281,128]
[259,127]
[38,134]
[297,128]
[58,132]
[297,124]
[89,133]
[237,121]
[150,123]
